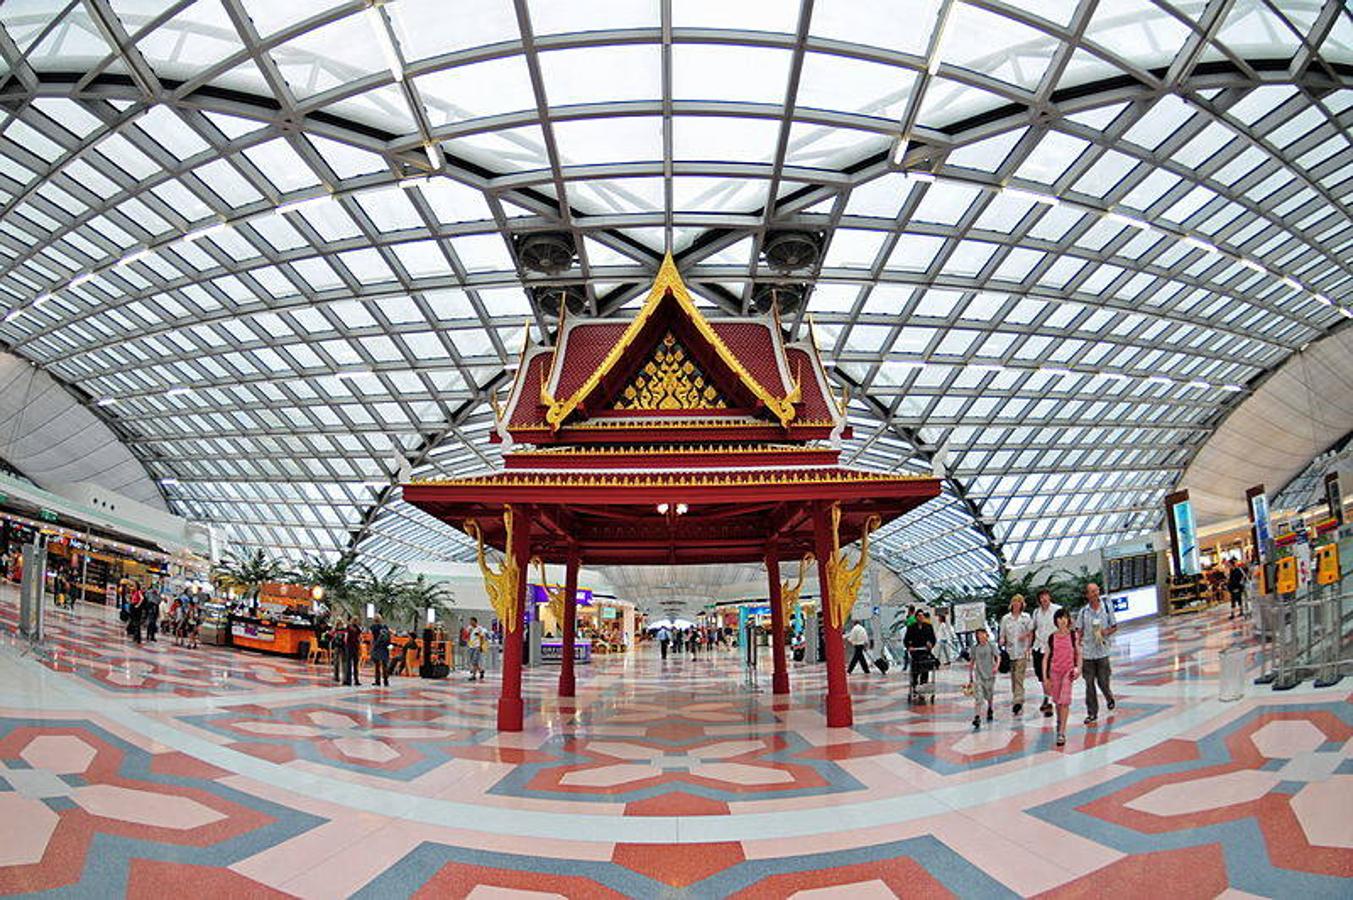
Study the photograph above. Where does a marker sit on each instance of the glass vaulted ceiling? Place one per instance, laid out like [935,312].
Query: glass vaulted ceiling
[1062,237]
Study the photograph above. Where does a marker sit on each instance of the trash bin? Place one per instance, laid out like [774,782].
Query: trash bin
[1232,673]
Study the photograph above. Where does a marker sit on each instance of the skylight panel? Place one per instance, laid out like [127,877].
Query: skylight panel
[319,59]
[506,150]
[822,147]
[425,30]
[853,249]
[587,142]
[483,253]
[422,259]
[30,139]
[833,82]
[720,138]
[1053,156]
[997,46]
[945,203]
[729,73]
[588,74]
[476,90]
[910,33]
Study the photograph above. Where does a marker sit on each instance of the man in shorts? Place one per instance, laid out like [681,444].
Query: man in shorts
[477,642]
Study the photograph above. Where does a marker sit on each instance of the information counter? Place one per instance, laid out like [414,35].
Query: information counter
[552,651]
[271,635]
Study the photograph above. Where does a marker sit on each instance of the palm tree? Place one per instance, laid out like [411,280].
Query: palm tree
[1069,589]
[422,595]
[338,578]
[386,594]
[247,571]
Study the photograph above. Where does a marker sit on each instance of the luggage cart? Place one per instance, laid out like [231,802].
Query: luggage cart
[923,664]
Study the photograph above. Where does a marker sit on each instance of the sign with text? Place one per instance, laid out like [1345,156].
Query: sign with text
[970,616]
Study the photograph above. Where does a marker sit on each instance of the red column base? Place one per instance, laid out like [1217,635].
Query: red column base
[839,712]
[509,714]
[780,683]
[567,685]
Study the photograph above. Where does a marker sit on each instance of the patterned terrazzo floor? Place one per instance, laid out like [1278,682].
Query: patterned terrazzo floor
[150,770]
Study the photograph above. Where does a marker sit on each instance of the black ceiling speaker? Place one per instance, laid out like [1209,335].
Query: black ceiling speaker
[789,296]
[792,251]
[547,299]
[551,252]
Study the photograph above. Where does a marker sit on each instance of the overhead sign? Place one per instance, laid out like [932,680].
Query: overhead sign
[970,616]
[1334,497]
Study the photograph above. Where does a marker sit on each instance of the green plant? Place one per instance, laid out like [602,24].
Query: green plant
[1068,590]
[422,595]
[339,579]
[246,571]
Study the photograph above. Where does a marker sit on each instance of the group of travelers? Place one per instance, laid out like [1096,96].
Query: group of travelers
[152,611]
[344,642]
[1062,648]
[1229,582]
[691,640]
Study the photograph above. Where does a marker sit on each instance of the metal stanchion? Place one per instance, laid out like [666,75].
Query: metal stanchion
[1265,607]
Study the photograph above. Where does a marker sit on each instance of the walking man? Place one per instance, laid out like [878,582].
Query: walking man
[352,653]
[664,638]
[380,651]
[859,639]
[1044,616]
[1017,632]
[478,641]
[1096,624]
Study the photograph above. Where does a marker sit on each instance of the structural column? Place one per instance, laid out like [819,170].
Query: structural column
[566,681]
[519,552]
[780,676]
[839,712]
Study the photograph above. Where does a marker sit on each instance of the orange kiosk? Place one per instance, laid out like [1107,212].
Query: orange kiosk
[280,623]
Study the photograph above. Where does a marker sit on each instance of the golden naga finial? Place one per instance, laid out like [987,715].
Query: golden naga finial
[546,398]
[789,594]
[556,593]
[502,586]
[844,580]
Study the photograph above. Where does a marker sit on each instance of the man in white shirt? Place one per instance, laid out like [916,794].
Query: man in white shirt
[858,638]
[1043,628]
[1017,633]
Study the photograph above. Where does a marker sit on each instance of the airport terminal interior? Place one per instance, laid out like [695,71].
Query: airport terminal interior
[676,448]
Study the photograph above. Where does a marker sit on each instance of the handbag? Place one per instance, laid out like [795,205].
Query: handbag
[1004,666]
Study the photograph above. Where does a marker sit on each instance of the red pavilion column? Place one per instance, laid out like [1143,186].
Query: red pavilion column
[780,676]
[509,700]
[567,685]
[839,713]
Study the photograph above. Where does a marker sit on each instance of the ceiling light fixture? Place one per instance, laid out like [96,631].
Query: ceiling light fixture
[13,314]
[936,55]
[1015,193]
[302,205]
[80,279]
[434,155]
[178,391]
[1125,221]
[386,42]
[41,299]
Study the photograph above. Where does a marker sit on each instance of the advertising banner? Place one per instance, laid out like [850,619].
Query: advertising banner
[969,616]
[1183,534]
[1261,532]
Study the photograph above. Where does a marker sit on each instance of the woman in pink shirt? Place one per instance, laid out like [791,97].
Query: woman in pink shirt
[1061,664]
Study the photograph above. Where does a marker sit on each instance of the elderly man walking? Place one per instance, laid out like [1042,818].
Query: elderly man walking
[1017,632]
[1096,624]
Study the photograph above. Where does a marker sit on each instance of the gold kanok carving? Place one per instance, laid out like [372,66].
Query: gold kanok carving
[844,580]
[504,585]
[789,594]
[670,380]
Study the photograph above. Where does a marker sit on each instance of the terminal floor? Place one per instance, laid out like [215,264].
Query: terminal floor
[155,769]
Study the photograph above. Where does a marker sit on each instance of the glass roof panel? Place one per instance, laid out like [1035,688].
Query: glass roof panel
[956,311]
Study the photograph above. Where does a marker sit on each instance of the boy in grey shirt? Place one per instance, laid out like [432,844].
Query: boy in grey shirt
[982,675]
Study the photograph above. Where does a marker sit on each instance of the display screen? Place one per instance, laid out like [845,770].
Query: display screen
[1186,533]
[538,594]
[1128,572]
[1263,531]
[608,612]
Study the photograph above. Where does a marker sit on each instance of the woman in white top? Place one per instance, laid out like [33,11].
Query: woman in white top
[947,639]
[1043,628]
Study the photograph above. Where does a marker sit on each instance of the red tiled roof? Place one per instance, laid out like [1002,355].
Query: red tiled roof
[585,346]
[815,407]
[752,344]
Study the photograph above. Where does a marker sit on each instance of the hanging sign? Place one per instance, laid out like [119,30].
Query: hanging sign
[1334,497]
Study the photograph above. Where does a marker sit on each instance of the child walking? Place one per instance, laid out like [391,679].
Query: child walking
[982,675]
[1060,667]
